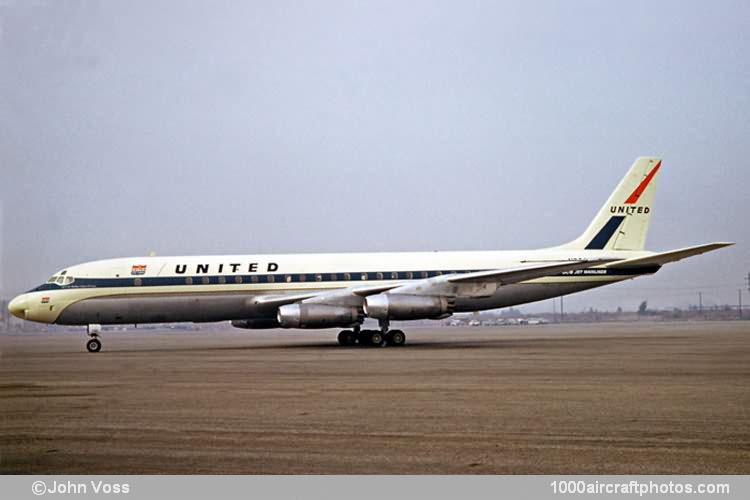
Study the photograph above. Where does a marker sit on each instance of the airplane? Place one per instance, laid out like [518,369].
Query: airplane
[341,290]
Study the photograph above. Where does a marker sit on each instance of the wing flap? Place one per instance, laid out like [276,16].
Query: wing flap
[280,299]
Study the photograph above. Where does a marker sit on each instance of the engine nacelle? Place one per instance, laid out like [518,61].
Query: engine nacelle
[317,316]
[403,306]
[256,323]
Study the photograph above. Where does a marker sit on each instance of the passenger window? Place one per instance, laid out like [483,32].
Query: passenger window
[379,276]
[188,280]
[205,280]
[288,278]
[347,276]
[222,280]
[409,275]
[238,280]
[364,276]
[318,277]
[394,276]
[438,273]
[137,282]
[424,274]
[301,277]
[271,279]
[254,278]
[334,277]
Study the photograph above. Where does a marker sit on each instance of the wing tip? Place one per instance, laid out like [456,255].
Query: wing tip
[718,244]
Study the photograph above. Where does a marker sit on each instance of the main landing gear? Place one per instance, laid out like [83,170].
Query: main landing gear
[372,338]
[93,344]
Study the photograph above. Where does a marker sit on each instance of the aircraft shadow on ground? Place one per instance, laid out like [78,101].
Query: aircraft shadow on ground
[415,345]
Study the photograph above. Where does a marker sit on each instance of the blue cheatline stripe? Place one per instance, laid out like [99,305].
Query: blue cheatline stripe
[351,277]
[605,233]
[253,279]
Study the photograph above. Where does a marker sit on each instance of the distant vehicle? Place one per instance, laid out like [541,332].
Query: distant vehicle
[341,290]
[536,321]
[475,322]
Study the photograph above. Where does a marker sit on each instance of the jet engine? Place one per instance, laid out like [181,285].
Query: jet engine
[256,323]
[403,306]
[317,316]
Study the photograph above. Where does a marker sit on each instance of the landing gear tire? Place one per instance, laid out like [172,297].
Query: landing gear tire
[396,338]
[94,345]
[363,338]
[347,337]
[376,339]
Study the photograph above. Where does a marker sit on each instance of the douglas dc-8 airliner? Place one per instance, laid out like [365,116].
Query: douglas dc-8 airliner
[341,290]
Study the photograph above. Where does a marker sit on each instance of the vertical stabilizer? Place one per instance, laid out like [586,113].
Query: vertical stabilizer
[622,223]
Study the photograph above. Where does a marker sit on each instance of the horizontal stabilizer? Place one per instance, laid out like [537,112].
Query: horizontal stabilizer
[659,259]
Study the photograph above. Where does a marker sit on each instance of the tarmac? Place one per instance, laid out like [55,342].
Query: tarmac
[636,398]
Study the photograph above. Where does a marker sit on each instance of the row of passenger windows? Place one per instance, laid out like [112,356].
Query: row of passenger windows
[299,278]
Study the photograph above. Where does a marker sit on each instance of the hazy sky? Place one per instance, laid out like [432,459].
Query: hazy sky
[265,127]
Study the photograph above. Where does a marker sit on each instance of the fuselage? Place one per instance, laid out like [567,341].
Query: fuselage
[219,288]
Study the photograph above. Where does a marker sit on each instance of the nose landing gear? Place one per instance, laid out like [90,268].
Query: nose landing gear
[94,344]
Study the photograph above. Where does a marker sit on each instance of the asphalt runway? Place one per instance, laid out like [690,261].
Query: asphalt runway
[554,399]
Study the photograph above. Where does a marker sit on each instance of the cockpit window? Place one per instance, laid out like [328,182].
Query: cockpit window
[61,278]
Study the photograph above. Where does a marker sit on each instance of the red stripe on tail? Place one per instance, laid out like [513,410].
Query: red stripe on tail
[642,186]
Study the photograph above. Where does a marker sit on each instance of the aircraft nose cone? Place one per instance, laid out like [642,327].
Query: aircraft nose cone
[18,306]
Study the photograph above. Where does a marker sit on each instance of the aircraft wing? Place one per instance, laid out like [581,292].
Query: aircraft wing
[659,259]
[283,299]
[427,285]
[516,275]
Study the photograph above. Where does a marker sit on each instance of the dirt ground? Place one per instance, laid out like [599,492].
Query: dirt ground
[553,399]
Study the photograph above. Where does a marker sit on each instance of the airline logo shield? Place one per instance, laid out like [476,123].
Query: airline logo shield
[138,270]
